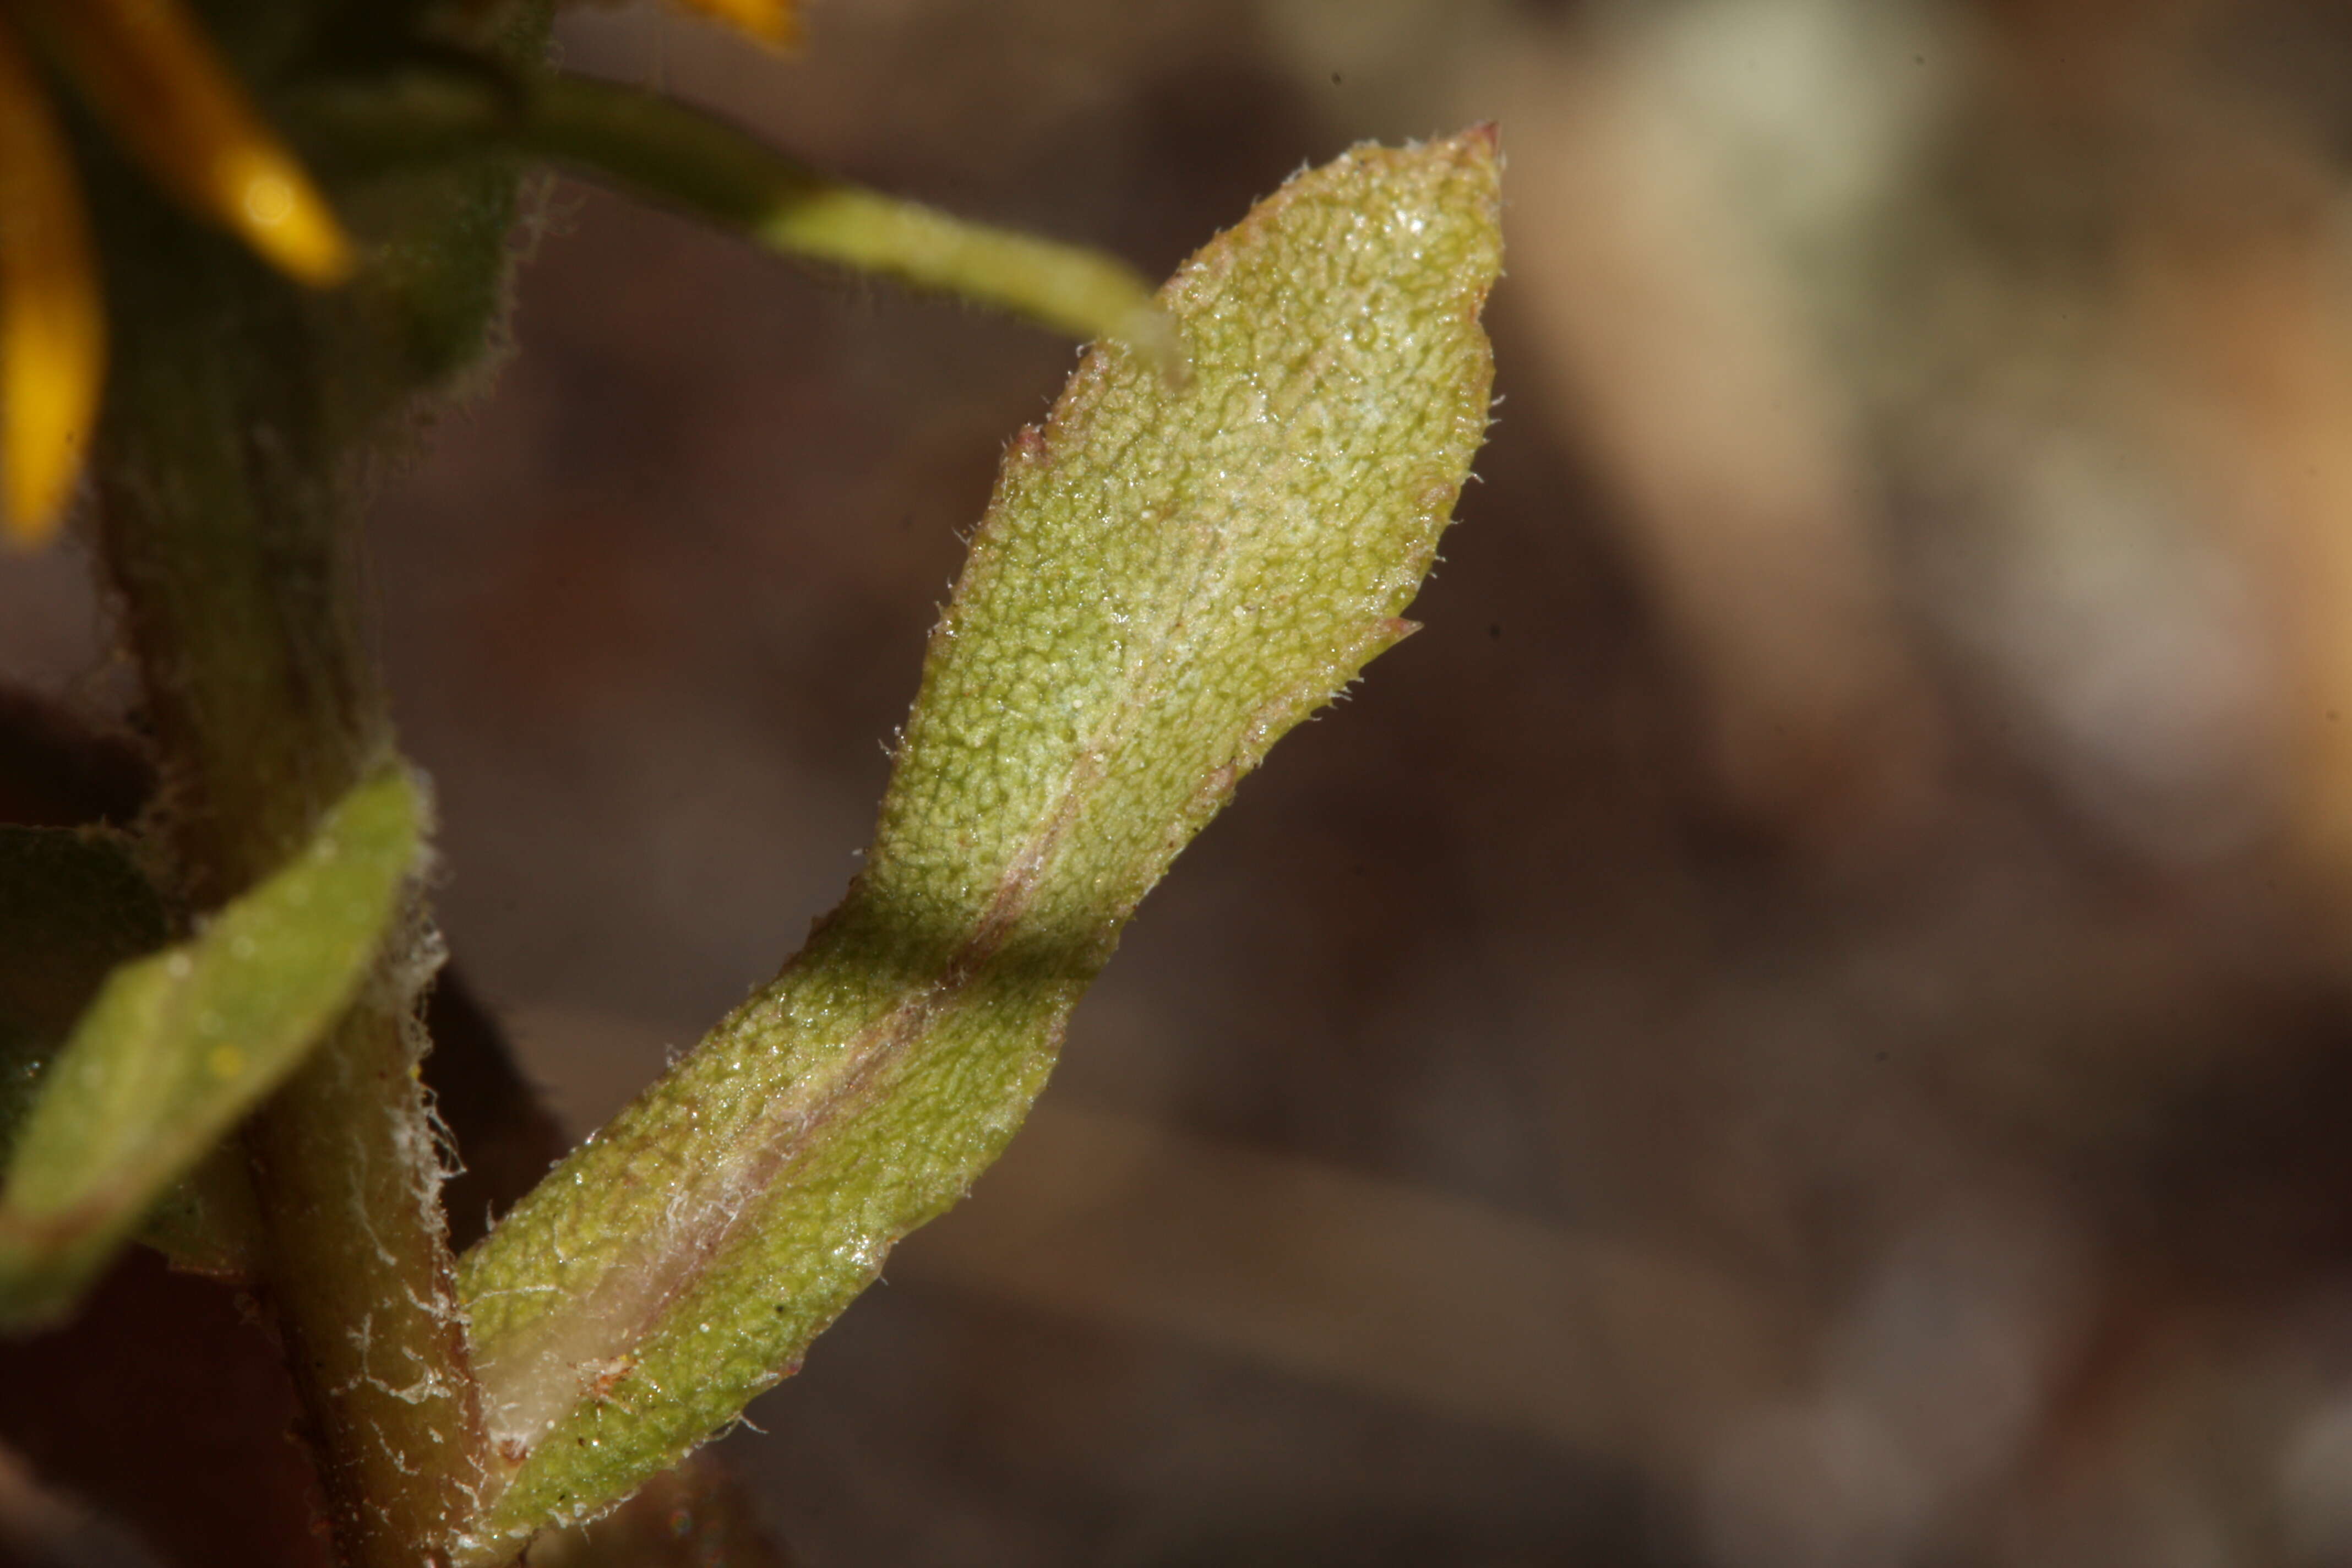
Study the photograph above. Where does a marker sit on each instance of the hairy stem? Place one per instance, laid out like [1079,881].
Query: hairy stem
[230,536]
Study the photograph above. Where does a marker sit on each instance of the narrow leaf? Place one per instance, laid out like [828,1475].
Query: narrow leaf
[178,1045]
[1166,580]
[73,905]
[673,153]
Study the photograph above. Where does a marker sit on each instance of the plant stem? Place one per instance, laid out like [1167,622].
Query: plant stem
[227,529]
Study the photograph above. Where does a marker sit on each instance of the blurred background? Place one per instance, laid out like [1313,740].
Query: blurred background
[1803,1021]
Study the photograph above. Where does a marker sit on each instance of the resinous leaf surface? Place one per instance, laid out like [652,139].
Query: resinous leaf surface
[1168,578]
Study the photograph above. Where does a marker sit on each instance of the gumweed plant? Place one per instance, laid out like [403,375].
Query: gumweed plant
[246,248]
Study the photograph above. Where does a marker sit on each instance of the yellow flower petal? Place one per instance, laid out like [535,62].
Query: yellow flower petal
[774,22]
[52,320]
[164,92]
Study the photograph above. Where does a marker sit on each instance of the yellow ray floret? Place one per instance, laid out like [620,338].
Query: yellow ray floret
[165,94]
[52,323]
[774,22]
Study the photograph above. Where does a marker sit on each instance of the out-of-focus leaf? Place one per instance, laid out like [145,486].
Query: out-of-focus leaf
[676,154]
[684,157]
[178,1045]
[73,904]
[1167,579]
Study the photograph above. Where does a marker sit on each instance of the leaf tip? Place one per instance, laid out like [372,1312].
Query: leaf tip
[1476,153]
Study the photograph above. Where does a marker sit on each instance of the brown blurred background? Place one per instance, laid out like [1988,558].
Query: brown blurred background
[1803,1022]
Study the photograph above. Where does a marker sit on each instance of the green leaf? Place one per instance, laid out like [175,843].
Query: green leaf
[73,904]
[1166,580]
[665,150]
[177,1047]
[673,153]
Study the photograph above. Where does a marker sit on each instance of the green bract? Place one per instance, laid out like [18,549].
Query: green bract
[1168,579]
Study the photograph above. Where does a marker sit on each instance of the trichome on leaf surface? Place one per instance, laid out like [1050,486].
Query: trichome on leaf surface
[212,1014]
